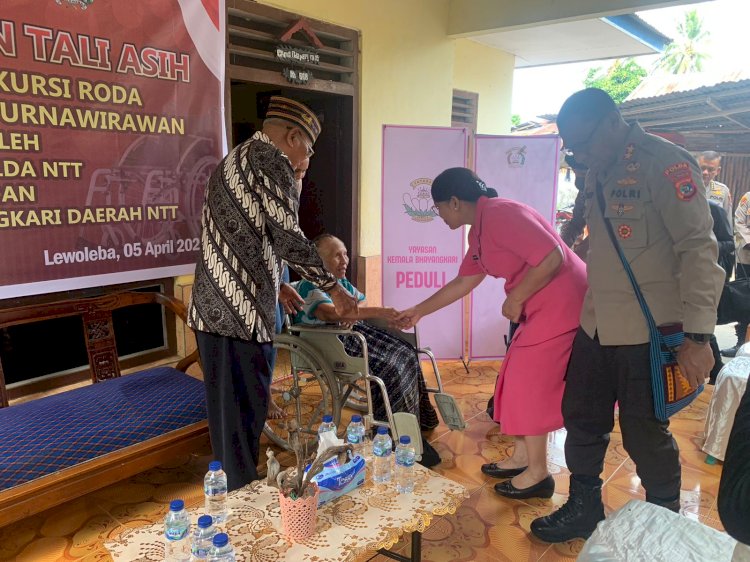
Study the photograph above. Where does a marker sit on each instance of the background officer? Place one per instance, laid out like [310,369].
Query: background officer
[710,165]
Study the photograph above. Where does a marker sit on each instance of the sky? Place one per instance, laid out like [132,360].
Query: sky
[728,45]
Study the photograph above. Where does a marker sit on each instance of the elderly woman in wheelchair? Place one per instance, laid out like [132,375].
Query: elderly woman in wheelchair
[389,356]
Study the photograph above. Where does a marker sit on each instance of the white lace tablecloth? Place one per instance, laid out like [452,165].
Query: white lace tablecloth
[728,392]
[349,528]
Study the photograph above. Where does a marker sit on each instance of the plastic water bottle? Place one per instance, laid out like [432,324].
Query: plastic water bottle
[355,435]
[221,551]
[382,447]
[215,489]
[327,425]
[405,454]
[202,538]
[176,533]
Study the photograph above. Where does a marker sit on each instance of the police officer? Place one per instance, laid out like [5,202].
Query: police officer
[651,191]
[710,165]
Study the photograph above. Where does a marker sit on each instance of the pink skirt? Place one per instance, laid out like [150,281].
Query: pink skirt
[528,395]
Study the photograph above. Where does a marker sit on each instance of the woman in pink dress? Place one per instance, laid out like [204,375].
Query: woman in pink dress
[545,284]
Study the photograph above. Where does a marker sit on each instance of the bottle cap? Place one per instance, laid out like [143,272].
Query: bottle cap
[356,419]
[176,505]
[205,521]
[382,430]
[214,466]
[327,418]
[404,440]
[221,539]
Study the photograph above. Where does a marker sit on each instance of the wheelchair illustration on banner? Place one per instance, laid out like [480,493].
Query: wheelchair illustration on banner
[145,176]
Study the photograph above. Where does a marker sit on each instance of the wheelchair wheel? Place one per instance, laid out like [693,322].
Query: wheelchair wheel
[303,388]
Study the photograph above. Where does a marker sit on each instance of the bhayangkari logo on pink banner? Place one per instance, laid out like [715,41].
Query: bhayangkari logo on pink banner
[516,156]
[418,201]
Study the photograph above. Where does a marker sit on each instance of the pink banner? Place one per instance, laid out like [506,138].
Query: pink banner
[420,253]
[524,169]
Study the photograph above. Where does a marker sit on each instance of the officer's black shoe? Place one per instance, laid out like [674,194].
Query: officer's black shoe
[731,351]
[671,505]
[576,519]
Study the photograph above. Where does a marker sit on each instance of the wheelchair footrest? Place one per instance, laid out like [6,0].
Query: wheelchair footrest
[407,424]
[449,411]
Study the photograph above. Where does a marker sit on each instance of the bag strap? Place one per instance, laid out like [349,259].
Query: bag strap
[628,270]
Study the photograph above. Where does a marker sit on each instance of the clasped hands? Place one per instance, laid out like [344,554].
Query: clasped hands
[512,309]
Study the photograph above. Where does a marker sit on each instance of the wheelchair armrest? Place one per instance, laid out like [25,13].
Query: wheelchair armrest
[322,328]
[382,324]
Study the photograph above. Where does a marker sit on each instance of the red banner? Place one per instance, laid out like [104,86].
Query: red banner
[111,120]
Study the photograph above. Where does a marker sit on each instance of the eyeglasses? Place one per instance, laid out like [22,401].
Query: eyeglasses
[309,149]
[584,144]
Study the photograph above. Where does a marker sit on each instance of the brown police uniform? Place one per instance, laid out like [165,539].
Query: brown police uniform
[742,231]
[717,191]
[742,250]
[656,202]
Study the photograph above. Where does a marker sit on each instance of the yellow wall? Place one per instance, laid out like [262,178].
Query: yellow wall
[489,73]
[407,78]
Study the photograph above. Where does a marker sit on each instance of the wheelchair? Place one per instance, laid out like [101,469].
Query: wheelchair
[320,377]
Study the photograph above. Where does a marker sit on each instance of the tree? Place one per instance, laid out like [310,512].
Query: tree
[515,120]
[683,54]
[621,78]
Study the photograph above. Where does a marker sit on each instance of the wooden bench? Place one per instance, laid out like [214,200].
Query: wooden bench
[138,420]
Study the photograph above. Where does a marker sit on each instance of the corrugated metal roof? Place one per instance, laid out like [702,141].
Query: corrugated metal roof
[662,84]
[712,112]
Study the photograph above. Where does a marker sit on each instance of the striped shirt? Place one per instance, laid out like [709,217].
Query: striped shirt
[249,229]
[314,297]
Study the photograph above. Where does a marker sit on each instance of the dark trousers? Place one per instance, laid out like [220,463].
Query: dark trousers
[237,379]
[597,377]
[742,272]
[734,489]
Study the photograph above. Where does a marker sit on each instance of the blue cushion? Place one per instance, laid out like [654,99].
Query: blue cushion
[46,435]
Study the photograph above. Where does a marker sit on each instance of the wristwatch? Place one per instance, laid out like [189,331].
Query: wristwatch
[698,338]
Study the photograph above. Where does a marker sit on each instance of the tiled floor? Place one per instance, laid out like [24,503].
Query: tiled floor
[485,528]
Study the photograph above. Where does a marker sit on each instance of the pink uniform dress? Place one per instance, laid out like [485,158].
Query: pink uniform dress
[506,240]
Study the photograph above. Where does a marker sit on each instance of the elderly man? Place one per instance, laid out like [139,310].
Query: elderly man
[249,229]
[651,193]
[710,165]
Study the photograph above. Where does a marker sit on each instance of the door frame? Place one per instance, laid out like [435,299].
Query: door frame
[253,71]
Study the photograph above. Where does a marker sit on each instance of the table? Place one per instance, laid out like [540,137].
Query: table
[728,392]
[352,527]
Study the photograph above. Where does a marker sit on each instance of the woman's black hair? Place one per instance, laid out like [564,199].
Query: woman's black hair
[461,183]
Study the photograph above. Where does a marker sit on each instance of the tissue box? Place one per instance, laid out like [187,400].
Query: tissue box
[335,481]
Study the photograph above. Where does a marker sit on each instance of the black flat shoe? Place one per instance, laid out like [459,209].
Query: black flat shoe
[491,469]
[543,489]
